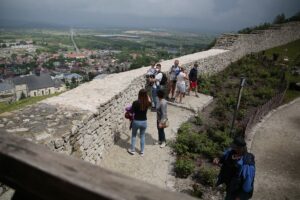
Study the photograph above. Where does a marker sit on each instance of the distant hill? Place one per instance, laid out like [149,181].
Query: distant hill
[279,19]
[10,23]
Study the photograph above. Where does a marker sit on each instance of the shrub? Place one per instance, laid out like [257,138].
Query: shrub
[221,137]
[241,114]
[180,149]
[197,191]
[207,176]
[219,112]
[184,167]
[198,120]
[264,93]
[185,127]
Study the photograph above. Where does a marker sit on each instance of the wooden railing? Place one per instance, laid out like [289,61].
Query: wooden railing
[38,173]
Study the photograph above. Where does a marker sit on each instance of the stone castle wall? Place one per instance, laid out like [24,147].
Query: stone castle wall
[100,104]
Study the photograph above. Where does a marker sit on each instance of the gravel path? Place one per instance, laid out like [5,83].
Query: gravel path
[276,146]
[156,165]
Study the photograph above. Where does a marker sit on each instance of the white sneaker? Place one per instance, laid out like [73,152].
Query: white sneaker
[130,151]
[163,145]
[157,143]
[142,153]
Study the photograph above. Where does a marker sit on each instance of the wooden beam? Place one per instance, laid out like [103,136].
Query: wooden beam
[29,167]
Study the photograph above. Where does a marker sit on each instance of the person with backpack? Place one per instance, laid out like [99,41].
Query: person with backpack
[174,71]
[139,109]
[193,77]
[164,80]
[237,171]
[156,85]
[150,74]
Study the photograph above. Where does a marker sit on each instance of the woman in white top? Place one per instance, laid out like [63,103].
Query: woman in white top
[180,85]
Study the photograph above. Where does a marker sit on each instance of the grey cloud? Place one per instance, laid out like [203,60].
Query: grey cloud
[193,14]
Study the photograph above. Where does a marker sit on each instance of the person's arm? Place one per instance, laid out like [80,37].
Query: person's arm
[248,173]
[158,77]
[220,160]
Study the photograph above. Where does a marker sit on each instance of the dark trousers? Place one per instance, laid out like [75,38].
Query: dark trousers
[161,133]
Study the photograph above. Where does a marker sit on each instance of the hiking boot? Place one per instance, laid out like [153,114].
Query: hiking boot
[130,151]
[163,144]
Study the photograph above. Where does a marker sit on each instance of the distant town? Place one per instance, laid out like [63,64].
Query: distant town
[54,62]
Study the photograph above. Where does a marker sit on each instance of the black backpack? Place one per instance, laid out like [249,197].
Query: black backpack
[164,79]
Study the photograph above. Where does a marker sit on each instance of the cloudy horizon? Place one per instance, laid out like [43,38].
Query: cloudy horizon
[201,15]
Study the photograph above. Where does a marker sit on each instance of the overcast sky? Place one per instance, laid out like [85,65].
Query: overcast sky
[202,15]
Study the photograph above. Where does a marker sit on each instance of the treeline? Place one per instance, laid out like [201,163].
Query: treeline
[279,19]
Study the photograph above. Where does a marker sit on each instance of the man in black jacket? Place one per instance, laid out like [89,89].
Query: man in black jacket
[193,77]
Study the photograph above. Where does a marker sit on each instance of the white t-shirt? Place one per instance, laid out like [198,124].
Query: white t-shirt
[181,78]
[158,78]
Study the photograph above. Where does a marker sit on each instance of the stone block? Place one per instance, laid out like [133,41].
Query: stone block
[58,143]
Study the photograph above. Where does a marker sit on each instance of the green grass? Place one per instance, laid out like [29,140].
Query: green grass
[290,50]
[4,107]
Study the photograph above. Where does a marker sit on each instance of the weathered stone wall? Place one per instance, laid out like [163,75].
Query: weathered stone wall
[99,105]
[99,130]
[260,40]
[85,121]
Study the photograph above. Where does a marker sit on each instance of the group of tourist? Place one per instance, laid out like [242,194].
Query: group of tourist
[237,165]
[176,86]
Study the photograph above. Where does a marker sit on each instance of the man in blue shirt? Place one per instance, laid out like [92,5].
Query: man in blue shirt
[237,171]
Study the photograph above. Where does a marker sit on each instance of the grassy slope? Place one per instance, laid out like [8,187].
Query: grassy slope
[292,52]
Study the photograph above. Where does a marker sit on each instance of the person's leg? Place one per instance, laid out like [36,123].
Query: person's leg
[163,137]
[154,97]
[180,97]
[133,136]
[173,88]
[142,133]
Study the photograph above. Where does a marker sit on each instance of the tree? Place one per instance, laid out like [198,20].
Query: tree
[279,19]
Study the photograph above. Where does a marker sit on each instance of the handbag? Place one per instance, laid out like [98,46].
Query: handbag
[164,123]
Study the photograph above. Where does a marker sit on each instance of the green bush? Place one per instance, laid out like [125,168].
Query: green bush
[264,93]
[180,149]
[198,120]
[207,176]
[241,114]
[219,112]
[197,191]
[185,127]
[184,167]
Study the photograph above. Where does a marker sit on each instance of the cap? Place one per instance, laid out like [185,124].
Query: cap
[239,142]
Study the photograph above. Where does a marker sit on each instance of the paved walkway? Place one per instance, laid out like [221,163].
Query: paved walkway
[156,165]
[276,146]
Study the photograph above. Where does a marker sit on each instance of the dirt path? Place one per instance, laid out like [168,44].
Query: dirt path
[276,146]
[156,165]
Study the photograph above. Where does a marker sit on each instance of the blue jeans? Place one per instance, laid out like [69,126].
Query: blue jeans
[161,133]
[154,97]
[142,125]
